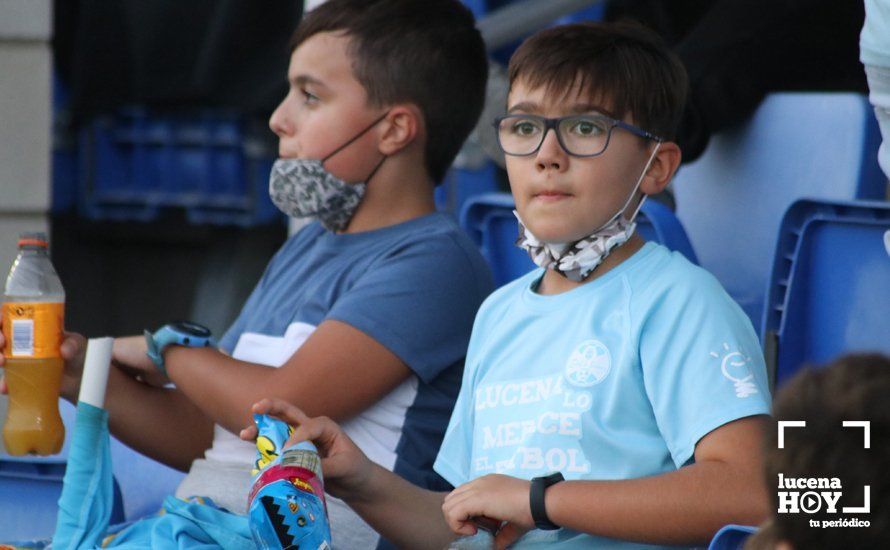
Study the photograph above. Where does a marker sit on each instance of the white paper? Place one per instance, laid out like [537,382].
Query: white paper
[95,371]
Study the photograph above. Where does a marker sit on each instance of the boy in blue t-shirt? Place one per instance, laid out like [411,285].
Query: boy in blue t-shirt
[616,397]
[365,314]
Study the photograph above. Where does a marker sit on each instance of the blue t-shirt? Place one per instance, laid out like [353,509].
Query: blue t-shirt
[413,287]
[616,379]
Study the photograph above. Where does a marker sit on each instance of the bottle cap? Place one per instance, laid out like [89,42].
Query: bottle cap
[33,239]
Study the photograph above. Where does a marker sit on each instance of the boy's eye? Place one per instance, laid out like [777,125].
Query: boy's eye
[587,128]
[525,128]
[308,98]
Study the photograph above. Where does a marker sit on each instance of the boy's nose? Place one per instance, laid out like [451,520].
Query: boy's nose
[278,122]
[551,155]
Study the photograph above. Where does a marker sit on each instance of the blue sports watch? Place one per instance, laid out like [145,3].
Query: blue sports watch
[180,333]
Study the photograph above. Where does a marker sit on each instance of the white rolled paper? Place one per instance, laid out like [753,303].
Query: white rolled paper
[95,371]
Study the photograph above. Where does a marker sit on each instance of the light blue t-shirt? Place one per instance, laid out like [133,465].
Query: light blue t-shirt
[616,379]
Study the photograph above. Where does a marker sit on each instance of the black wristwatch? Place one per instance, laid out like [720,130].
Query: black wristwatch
[536,500]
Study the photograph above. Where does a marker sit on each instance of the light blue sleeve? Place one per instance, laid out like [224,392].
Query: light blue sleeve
[701,360]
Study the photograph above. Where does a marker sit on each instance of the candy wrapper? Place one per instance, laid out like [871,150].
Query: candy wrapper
[286,505]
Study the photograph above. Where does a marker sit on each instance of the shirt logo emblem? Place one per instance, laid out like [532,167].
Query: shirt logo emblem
[589,364]
[736,367]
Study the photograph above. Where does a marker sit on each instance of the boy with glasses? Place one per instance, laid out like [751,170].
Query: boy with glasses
[616,397]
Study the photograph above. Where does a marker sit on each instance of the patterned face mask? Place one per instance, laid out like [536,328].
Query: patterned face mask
[575,261]
[303,188]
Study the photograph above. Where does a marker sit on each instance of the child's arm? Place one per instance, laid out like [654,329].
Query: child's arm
[687,506]
[406,515]
[338,372]
[159,422]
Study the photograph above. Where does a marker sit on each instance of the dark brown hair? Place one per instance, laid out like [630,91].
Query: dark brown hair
[623,64]
[855,387]
[428,53]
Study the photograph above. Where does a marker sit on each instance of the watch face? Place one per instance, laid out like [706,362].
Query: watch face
[192,329]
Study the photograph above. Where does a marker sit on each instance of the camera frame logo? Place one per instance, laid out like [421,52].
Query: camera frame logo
[811,495]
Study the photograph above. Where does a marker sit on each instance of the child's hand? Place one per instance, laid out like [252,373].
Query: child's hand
[130,355]
[3,389]
[496,496]
[345,467]
[72,350]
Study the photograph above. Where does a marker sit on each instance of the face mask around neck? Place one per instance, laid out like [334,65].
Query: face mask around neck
[576,261]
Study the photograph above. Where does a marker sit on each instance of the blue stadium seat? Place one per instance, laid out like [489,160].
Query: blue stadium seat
[658,223]
[30,487]
[461,184]
[829,292]
[731,537]
[143,482]
[478,7]
[136,164]
[490,222]
[796,145]
[29,495]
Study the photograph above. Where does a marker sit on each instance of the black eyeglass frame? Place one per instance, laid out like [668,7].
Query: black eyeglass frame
[553,124]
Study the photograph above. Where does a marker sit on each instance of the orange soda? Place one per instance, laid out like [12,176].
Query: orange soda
[32,321]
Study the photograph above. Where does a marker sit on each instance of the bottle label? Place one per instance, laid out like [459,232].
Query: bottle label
[32,330]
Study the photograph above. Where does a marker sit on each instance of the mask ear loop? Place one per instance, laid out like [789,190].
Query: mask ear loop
[637,188]
[374,171]
[353,140]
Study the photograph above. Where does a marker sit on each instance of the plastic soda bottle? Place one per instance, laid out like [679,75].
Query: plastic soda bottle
[286,508]
[32,320]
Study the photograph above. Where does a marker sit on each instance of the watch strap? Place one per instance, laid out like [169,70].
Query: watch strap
[154,352]
[539,486]
[166,336]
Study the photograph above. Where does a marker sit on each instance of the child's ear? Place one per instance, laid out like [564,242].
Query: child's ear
[402,125]
[662,169]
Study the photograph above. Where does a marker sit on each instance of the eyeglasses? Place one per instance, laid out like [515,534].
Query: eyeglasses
[579,135]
